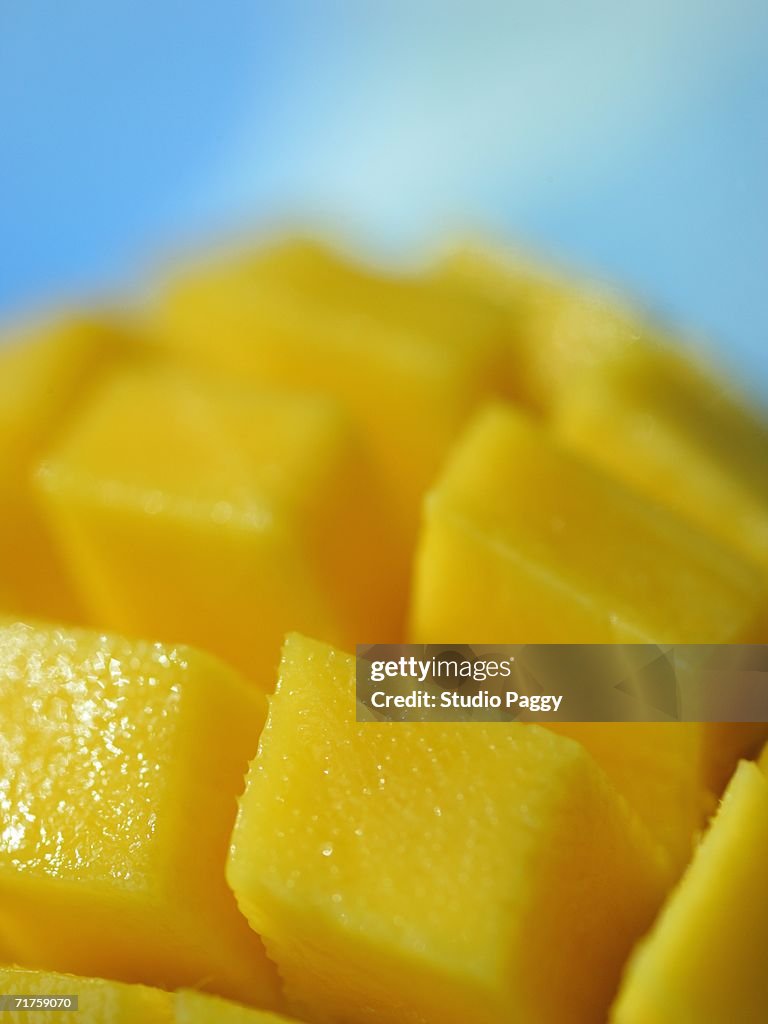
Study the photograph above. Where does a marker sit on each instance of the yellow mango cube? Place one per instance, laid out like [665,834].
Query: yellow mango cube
[436,873]
[120,764]
[524,542]
[555,328]
[704,960]
[43,374]
[99,1001]
[222,516]
[615,389]
[191,1007]
[673,432]
[661,769]
[408,359]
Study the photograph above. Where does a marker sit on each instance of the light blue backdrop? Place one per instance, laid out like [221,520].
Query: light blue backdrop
[628,138]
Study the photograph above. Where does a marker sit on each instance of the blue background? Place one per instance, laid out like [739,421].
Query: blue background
[628,139]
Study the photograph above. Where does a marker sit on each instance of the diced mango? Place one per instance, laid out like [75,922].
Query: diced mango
[523,542]
[555,328]
[670,772]
[120,764]
[99,1001]
[43,374]
[197,1008]
[652,419]
[652,414]
[408,359]
[660,768]
[436,873]
[221,516]
[704,960]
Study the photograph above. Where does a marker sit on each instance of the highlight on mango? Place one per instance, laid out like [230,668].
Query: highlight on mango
[210,497]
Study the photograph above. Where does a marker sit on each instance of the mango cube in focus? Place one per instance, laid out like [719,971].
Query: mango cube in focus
[409,360]
[99,1001]
[120,764]
[43,374]
[704,960]
[222,516]
[434,873]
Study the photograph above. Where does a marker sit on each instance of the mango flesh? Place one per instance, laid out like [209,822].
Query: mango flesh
[658,768]
[113,1002]
[556,329]
[524,541]
[222,516]
[703,962]
[99,1001]
[679,438]
[192,1007]
[421,871]
[654,415]
[120,764]
[44,373]
[407,360]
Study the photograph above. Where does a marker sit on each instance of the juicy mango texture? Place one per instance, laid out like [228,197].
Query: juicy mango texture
[261,467]
[421,871]
[120,764]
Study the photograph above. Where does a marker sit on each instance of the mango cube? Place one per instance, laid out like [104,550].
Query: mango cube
[660,768]
[523,542]
[409,360]
[433,873]
[120,764]
[674,432]
[99,1001]
[43,374]
[704,960]
[222,516]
